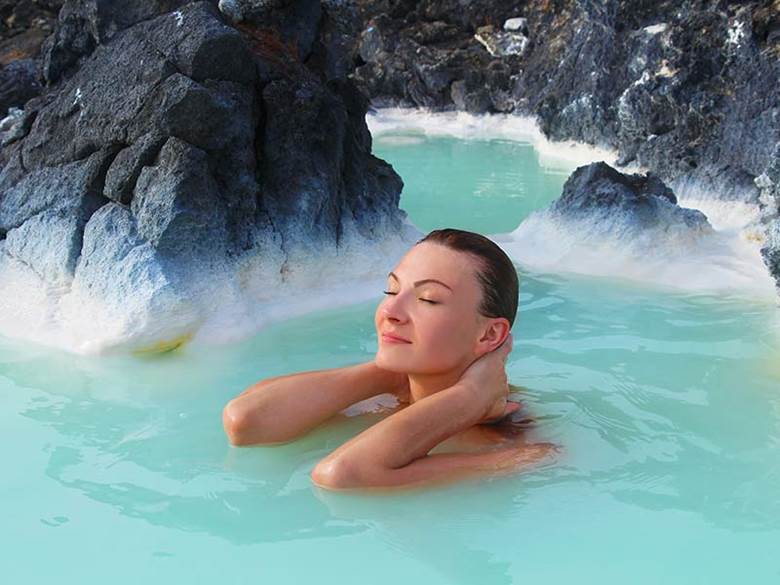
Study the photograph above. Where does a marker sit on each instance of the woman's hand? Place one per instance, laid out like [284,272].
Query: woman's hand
[487,378]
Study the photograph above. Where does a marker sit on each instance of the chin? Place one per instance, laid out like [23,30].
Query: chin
[391,364]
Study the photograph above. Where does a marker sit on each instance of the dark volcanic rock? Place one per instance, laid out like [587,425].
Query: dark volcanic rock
[24,24]
[616,225]
[296,22]
[598,193]
[426,54]
[771,250]
[769,184]
[685,89]
[681,88]
[297,112]
[44,214]
[169,143]
[18,83]
[624,226]
[15,125]
[84,24]
[76,185]
[20,16]
[126,167]
[177,204]
[145,85]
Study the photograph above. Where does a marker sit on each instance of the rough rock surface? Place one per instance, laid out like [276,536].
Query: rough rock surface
[618,226]
[24,24]
[170,139]
[769,184]
[684,89]
[609,223]
[18,83]
[674,86]
[601,195]
[22,16]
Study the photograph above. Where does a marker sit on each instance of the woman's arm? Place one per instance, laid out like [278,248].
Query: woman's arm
[394,452]
[280,409]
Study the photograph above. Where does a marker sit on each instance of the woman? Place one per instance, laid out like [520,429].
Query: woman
[444,337]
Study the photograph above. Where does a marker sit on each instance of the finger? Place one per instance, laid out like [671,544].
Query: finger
[508,409]
[511,407]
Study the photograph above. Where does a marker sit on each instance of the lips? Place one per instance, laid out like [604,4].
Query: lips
[389,337]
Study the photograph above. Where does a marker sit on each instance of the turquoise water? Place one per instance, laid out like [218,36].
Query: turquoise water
[667,407]
[479,185]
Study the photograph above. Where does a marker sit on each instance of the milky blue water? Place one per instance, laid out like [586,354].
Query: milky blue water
[666,405]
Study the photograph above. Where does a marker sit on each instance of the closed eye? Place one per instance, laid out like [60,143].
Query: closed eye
[387,292]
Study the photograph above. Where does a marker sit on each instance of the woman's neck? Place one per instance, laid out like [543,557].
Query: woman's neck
[423,385]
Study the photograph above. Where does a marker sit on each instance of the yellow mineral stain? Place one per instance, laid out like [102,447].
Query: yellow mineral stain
[164,346]
[755,237]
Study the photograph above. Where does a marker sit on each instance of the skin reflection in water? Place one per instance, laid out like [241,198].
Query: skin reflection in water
[431,530]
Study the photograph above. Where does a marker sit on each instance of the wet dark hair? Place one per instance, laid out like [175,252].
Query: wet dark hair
[497,274]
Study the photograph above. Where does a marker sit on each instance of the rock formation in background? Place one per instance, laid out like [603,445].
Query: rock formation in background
[162,159]
[175,145]
[769,184]
[685,89]
[616,225]
[625,205]
[636,214]
[24,25]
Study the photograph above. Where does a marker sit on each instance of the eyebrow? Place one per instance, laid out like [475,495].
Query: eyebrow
[421,282]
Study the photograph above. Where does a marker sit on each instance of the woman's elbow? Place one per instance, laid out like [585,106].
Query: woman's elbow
[336,474]
[238,423]
[248,424]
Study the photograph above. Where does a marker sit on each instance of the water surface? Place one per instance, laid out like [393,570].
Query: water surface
[666,406]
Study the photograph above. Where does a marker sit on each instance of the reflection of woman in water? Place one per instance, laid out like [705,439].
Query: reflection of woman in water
[444,337]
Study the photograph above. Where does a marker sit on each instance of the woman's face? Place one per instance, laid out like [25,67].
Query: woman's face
[433,305]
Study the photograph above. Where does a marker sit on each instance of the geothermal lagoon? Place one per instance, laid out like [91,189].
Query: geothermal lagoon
[662,394]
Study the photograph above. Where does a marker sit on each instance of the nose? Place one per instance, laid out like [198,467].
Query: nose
[393,309]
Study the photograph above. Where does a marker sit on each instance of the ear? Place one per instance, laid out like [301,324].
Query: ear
[493,335]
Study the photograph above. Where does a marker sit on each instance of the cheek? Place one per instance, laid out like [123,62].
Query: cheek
[443,341]
[445,337]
